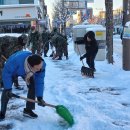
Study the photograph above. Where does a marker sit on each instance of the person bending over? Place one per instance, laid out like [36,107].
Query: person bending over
[31,67]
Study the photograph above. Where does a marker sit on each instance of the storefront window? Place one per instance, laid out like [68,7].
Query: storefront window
[15,27]
[1,2]
[26,1]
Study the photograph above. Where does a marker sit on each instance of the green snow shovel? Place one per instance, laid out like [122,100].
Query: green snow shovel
[60,109]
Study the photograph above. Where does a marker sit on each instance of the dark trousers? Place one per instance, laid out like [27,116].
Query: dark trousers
[45,52]
[15,80]
[31,95]
[90,61]
[4,101]
[45,48]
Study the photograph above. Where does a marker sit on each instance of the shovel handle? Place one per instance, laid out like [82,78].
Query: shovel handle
[4,57]
[50,105]
[80,54]
[28,99]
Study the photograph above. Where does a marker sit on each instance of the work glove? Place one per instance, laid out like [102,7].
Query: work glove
[81,58]
[41,102]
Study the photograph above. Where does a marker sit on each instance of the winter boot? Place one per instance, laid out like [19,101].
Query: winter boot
[1,86]
[51,55]
[29,113]
[58,58]
[67,57]
[45,55]
[2,116]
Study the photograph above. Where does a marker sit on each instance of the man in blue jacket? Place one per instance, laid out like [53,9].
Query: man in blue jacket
[31,68]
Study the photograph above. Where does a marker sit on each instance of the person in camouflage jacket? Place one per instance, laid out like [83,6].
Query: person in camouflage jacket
[45,41]
[60,44]
[34,41]
[8,46]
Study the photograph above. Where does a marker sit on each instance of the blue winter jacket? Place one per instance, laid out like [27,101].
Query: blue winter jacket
[14,66]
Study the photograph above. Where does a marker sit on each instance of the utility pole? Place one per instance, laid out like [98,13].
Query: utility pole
[109,30]
[126,40]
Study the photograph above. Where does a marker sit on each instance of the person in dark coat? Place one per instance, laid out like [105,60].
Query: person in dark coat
[31,67]
[91,47]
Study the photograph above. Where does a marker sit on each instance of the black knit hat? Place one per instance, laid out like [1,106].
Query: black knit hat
[91,35]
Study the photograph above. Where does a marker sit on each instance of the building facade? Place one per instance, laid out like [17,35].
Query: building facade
[18,15]
[8,2]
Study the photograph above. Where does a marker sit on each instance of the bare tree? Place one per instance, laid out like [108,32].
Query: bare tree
[60,13]
[109,30]
[57,9]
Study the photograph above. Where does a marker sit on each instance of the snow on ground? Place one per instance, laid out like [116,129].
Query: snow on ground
[102,103]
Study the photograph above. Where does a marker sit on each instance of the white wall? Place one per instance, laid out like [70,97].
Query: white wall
[36,2]
[16,13]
